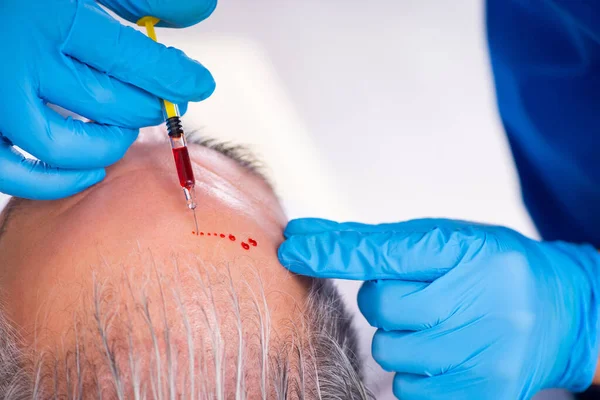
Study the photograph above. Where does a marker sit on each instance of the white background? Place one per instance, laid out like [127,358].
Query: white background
[373,111]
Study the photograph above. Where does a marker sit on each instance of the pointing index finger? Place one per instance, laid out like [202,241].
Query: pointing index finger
[311,226]
[357,255]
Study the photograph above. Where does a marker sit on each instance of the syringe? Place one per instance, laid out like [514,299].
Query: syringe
[176,137]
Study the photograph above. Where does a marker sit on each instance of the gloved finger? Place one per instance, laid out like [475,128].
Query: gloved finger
[436,350]
[460,385]
[419,387]
[132,57]
[311,226]
[183,107]
[99,97]
[37,181]
[410,352]
[172,13]
[405,255]
[405,387]
[65,142]
[403,305]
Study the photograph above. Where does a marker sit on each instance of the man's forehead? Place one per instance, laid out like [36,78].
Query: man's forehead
[241,155]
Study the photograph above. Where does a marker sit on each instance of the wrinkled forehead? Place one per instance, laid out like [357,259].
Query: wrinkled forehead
[140,207]
[141,195]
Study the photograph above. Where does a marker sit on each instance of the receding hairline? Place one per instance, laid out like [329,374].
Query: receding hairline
[330,366]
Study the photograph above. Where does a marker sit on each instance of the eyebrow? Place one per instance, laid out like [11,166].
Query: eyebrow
[239,154]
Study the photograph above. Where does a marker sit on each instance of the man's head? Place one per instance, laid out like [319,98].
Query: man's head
[110,293]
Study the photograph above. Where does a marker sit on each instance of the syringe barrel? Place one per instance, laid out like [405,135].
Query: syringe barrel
[183,162]
[177,141]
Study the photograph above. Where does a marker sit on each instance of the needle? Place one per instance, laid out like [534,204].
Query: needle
[195,221]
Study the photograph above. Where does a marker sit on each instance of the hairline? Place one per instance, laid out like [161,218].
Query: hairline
[335,345]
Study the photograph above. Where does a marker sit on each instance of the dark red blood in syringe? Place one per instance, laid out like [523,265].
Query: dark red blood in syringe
[245,246]
[184,167]
[252,242]
[232,238]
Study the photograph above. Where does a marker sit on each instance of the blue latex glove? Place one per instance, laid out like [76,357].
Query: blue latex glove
[464,311]
[73,54]
[172,13]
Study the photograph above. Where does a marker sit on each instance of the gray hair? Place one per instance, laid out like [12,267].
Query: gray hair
[319,362]
[15,382]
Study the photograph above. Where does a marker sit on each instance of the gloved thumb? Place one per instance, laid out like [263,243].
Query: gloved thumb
[172,13]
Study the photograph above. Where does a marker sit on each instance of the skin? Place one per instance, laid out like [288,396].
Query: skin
[52,252]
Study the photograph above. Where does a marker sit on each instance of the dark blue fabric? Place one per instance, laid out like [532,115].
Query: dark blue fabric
[545,56]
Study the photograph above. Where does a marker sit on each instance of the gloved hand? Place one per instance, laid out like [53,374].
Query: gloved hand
[464,311]
[172,13]
[73,54]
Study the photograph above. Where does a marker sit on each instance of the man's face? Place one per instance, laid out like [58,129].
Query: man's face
[119,266]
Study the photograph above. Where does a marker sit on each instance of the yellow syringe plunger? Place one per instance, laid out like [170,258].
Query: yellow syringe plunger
[170,109]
